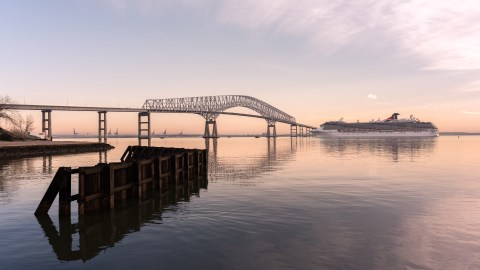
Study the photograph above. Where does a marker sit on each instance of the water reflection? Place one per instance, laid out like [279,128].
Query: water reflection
[101,230]
[260,157]
[102,157]
[391,148]
[47,164]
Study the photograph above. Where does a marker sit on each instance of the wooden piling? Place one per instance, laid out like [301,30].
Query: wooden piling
[142,170]
[52,191]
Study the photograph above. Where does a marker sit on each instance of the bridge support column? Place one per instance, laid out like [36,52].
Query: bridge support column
[210,120]
[47,124]
[271,125]
[144,127]
[293,130]
[102,126]
[302,134]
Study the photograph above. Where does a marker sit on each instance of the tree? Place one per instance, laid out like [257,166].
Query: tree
[7,115]
[23,126]
[19,125]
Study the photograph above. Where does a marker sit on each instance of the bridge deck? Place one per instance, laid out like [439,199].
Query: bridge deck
[120,109]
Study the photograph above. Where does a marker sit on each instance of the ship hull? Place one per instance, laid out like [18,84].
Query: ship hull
[386,133]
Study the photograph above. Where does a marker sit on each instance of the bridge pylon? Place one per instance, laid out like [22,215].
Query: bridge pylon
[102,126]
[210,119]
[271,125]
[293,130]
[47,124]
[144,127]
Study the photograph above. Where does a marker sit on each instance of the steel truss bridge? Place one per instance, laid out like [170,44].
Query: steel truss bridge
[209,107]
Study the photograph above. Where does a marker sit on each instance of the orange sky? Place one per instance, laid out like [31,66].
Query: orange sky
[359,60]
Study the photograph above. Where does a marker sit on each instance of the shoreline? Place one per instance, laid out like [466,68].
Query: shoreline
[21,149]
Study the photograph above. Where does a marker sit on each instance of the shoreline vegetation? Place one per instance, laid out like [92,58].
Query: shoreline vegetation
[15,146]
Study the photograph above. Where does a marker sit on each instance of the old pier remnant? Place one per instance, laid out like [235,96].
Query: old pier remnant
[142,170]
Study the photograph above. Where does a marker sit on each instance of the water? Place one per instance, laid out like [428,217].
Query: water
[310,203]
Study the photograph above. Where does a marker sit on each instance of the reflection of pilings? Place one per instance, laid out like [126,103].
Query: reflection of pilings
[214,147]
[293,145]
[239,172]
[102,230]
[272,149]
[102,157]
[102,126]
[47,164]
[47,124]
[144,132]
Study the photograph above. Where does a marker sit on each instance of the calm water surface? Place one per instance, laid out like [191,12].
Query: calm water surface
[310,203]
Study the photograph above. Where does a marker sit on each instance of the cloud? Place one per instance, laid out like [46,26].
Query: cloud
[372,96]
[445,35]
[471,113]
[471,87]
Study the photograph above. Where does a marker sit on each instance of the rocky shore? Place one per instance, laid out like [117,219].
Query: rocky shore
[40,148]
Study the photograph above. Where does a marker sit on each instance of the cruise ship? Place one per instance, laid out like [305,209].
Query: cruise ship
[390,127]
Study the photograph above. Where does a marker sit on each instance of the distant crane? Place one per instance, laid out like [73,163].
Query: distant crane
[74,132]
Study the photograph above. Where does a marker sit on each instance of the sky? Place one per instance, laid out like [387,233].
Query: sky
[317,60]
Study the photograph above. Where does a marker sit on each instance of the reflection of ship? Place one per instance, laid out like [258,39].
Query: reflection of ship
[390,127]
[390,148]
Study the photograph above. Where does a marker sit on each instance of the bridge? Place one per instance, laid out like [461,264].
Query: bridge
[209,107]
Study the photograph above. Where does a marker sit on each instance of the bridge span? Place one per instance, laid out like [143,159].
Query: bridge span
[209,107]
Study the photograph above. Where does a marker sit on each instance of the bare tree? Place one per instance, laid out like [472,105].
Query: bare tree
[7,115]
[29,124]
[22,126]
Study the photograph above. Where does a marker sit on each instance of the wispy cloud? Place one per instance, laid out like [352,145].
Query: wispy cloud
[471,113]
[372,96]
[471,87]
[444,34]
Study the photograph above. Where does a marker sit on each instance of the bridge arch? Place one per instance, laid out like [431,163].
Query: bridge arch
[212,106]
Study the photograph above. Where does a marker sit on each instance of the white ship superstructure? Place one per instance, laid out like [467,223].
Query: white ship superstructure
[390,127]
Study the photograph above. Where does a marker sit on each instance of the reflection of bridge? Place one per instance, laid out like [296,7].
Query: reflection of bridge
[209,107]
[239,171]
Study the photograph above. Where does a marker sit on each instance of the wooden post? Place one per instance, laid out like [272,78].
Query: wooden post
[52,191]
[137,186]
[65,193]
[81,194]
